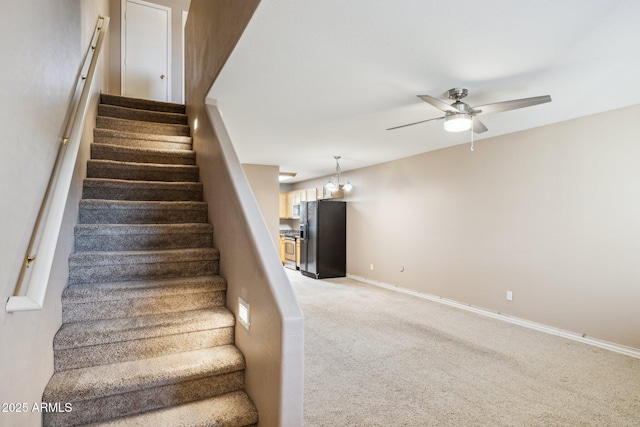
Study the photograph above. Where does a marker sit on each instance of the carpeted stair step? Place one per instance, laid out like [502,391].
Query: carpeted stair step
[96,267]
[142,155]
[233,409]
[142,140]
[146,337]
[96,211]
[121,389]
[111,169]
[142,237]
[101,342]
[118,189]
[136,126]
[143,104]
[111,300]
[141,115]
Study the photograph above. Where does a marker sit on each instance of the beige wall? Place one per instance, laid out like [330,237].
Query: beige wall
[177,6]
[266,189]
[274,345]
[42,44]
[551,214]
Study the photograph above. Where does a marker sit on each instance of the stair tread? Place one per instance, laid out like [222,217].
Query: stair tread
[141,126]
[146,150]
[124,112]
[143,123]
[133,183]
[141,204]
[112,211]
[117,378]
[141,190]
[96,332]
[136,171]
[137,257]
[158,166]
[145,104]
[126,229]
[111,291]
[233,409]
[112,133]
[135,189]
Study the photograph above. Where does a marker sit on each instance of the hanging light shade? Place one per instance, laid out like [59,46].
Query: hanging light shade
[334,181]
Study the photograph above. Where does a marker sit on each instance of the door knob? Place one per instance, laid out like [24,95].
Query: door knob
[161,76]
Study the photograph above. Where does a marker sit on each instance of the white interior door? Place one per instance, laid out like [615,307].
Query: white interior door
[146,50]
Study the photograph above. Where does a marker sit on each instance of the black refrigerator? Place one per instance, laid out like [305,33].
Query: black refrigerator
[323,239]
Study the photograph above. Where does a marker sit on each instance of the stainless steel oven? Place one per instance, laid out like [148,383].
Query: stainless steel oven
[290,252]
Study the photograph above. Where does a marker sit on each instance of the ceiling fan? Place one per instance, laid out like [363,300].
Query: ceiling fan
[460,116]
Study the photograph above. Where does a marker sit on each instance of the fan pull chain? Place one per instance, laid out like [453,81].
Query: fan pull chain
[471,136]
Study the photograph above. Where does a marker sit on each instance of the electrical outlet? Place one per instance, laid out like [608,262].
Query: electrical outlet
[370,266]
[509,296]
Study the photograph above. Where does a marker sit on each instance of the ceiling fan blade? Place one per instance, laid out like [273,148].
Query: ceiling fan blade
[416,123]
[510,105]
[440,105]
[478,126]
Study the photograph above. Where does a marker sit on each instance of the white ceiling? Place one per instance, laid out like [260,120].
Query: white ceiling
[310,79]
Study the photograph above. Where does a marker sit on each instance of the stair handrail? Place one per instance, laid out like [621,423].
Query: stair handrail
[34,275]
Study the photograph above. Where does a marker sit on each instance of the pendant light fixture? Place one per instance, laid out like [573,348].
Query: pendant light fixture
[334,181]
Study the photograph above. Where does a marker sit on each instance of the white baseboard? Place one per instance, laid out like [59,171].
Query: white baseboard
[618,348]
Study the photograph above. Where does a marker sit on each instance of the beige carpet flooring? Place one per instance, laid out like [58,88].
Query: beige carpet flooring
[375,357]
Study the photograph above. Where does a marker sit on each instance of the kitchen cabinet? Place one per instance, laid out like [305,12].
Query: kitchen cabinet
[283,205]
[291,198]
[323,194]
[288,200]
[311,195]
[298,196]
[289,204]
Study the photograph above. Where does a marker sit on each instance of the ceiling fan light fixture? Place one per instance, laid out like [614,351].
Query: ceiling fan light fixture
[457,122]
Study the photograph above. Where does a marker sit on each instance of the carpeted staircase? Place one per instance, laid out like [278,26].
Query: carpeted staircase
[146,338]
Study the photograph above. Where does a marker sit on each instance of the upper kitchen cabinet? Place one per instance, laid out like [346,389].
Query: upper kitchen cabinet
[311,195]
[322,193]
[283,205]
[290,202]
